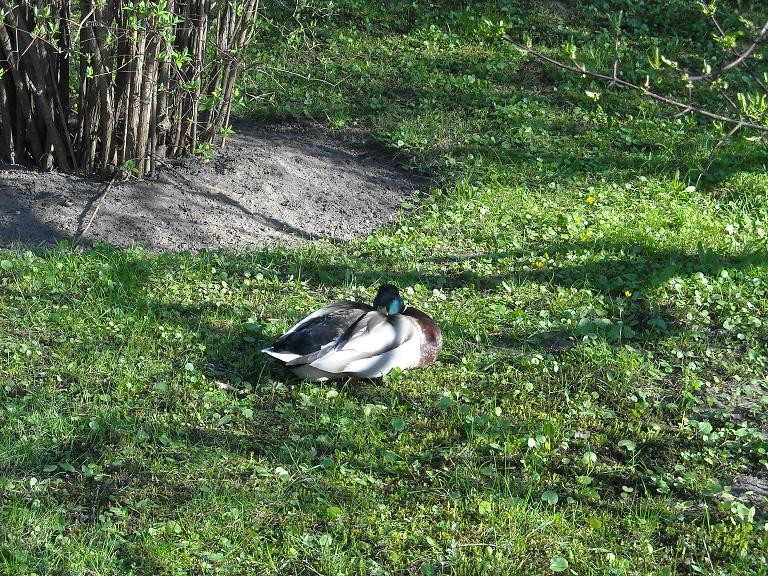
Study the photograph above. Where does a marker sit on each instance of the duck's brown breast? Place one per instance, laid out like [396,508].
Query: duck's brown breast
[432,336]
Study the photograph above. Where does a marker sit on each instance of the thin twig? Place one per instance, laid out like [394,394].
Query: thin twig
[264,69]
[739,59]
[714,150]
[645,92]
[747,65]
[616,47]
[78,237]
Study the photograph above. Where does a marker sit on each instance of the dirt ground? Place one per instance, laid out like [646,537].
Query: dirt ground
[281,184]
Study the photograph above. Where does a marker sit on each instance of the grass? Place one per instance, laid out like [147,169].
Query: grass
[599,401]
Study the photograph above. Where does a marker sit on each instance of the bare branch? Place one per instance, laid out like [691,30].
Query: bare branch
[644,91]
[739,59]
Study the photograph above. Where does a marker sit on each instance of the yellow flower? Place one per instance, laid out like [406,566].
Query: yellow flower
[539,264]
[627,293]
[591,200]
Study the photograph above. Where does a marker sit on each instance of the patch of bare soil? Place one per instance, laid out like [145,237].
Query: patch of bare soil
[282,184]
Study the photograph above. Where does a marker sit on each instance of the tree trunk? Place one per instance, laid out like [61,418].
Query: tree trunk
[142,72]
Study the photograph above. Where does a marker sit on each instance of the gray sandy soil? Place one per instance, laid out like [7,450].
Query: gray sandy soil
[281,184]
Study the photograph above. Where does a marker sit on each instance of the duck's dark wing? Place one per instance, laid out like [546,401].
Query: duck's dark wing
[322,327]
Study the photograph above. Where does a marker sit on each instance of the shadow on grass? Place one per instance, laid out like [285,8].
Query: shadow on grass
[232,350]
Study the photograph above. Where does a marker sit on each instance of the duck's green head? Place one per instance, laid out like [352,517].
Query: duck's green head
[388,300]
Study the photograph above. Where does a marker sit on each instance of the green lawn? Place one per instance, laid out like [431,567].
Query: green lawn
[602,387]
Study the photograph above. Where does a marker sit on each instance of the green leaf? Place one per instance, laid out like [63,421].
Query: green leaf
[550,497]
[705,428]
[282,472]
[398,424]
[333,512]
[489,471]
[6,264]
[628,444]
[49,468]
[390,456]
[713,489]
[326,540]
[594,523]
[484,508]
[558,564]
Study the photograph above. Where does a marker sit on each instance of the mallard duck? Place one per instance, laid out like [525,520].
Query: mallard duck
[352,339]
